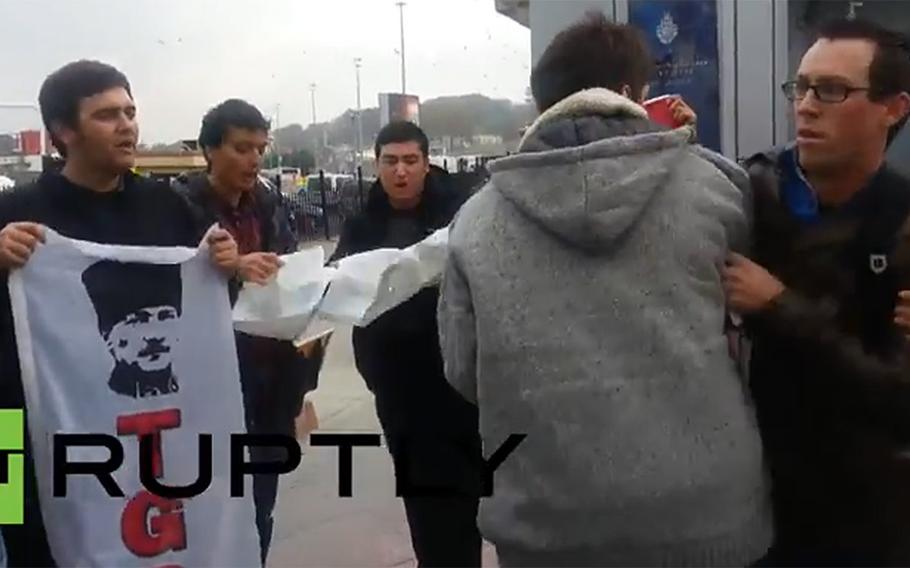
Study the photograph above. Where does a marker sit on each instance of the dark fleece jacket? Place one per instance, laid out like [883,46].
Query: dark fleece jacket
[830,369]
[399,357]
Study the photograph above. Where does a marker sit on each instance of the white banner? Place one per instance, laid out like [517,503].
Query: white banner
[368,284]
[113,339]
[362,287]
[284,307]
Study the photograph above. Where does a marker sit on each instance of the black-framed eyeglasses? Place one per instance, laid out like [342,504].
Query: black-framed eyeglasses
[824,92]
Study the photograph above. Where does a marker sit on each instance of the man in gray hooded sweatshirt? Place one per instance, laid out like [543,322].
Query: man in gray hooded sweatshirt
[583,306]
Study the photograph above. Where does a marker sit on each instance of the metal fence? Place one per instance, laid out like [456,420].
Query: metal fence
[320,209]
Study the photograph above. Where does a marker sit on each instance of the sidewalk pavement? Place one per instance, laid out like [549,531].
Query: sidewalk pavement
[314,527]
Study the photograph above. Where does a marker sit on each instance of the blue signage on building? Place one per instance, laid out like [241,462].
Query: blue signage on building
[683,39]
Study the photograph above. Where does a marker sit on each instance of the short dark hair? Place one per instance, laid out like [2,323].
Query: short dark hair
[231,113]
[64,89]
[889,72]
[593,52]
[402,131]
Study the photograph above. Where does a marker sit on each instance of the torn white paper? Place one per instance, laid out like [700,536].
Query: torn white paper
[284,307]
[368,284]
[362,287]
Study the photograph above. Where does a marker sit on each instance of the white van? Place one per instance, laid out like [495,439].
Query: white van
[289,178]
[333,182]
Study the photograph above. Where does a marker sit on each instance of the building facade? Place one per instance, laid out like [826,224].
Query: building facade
[729,56]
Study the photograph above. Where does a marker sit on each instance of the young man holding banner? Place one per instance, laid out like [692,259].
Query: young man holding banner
[89,111]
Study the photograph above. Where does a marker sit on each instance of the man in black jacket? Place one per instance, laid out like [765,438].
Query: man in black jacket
[830,371]
[274,375]
[431,431]
[88,108]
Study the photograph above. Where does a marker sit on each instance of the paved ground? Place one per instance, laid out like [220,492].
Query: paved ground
[316,528]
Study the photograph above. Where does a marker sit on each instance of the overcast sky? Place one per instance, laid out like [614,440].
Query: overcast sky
[184,56]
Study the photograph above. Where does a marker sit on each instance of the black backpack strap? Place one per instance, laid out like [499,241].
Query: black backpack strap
[877,281]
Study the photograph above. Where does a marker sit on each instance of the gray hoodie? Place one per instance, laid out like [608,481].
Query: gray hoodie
[582,305]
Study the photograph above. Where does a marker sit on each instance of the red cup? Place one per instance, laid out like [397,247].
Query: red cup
[659,110]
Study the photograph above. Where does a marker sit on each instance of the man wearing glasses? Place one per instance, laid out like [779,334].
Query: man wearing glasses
[829,367]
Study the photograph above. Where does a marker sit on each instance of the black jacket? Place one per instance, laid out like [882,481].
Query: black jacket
[398,354]
[273,389]
[830,371]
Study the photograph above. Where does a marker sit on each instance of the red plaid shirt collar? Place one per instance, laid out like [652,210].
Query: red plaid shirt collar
[243,223]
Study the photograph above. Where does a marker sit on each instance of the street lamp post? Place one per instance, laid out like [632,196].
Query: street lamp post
[401,6]
[313,100]
[357,63]
[315,138]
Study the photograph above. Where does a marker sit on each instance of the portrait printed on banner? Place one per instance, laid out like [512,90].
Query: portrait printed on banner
[138,308]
